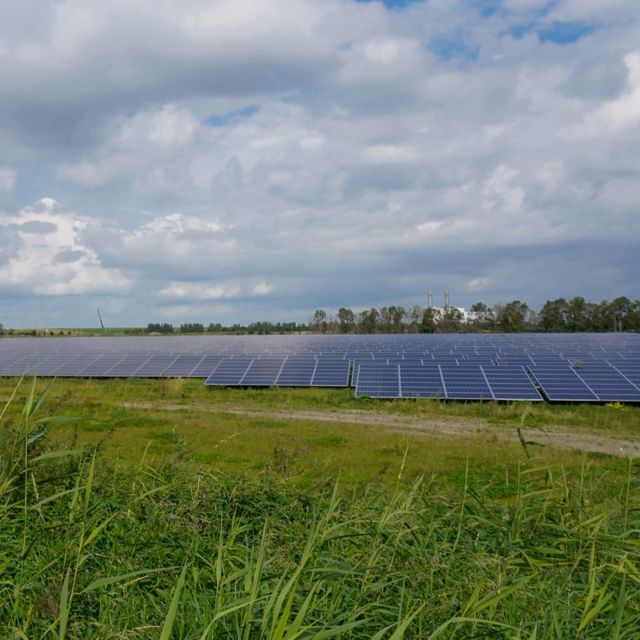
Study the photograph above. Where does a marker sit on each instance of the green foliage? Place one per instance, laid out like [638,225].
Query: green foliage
[512,317]
[192,327]
[160,327]
[156,551]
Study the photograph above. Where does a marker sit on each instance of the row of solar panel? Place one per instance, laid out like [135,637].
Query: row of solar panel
[577,379]
[290,371]
[458,345]
[601,382]
[473,382]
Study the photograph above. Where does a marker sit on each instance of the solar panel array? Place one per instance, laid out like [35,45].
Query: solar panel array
[532,367]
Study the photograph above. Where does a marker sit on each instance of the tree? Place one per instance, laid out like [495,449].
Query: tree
[384,320]
[346,320]
[512,317]
[451,320]
[430,318]
[481,317]
[319,321]
[368,321]
[192,327]
[397,316]
[578,315]
[553,316]
[157,327]
[415,318]
[633,317]
[620,309]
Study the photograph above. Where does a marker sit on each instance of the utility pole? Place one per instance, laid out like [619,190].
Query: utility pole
[100,318]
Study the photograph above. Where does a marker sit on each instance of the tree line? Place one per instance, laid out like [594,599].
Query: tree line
[559,315]
[259,328]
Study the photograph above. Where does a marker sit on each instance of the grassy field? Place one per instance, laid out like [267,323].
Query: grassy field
[161,509]
[249,432]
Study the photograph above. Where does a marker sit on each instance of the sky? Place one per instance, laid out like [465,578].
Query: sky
[242,160]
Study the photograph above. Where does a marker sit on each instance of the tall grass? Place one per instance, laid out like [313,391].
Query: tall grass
[89,551]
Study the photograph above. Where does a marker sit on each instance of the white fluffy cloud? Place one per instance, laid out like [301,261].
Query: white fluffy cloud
[243,159]
[47,257]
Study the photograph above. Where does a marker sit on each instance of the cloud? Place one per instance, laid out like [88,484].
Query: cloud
[7,179]
[46,257]
[614,115]
[243,159]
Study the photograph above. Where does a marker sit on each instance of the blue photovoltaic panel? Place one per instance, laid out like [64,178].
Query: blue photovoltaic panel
[596,367]
[183,365]
[331,372]
[630,370]
[125,368]
[421,381]
[561,383]
[99,367]
[513,360]
[206,366]
[378,380]
[155,367]
[48,364]
[76,365]
[263,372]
[607,383]
[465,383]
[230,372]
[16,367]
[297,371]
[511,383]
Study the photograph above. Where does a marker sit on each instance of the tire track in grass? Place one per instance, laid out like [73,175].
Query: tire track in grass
[575,438]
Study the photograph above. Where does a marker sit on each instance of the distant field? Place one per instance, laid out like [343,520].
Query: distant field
[74,331]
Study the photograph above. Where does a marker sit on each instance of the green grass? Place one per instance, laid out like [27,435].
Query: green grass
[179,549]
[201,427]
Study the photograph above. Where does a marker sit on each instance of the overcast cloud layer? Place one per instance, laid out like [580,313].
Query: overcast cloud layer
[214,160]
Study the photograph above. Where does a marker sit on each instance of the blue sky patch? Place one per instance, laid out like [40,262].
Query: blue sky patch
[451,46]
[556,32]
[393,4]
[486,8]
[564,32]
[232,116]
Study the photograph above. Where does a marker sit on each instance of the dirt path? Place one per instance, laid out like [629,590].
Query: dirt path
[573,438]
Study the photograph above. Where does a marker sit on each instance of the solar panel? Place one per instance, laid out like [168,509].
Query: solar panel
[74,366]
[183,366]
[561,383]
[206,366]
[99,367]
[630,370]
[593,367]
[263,372]
[230,372]
[465,383]
[330,372]
[127,366]
[421,381]
[378,380]
[155,367]
[511,383]
[46,365]
[607,383]
[297,371]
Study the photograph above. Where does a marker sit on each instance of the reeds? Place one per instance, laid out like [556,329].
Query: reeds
[88,551]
